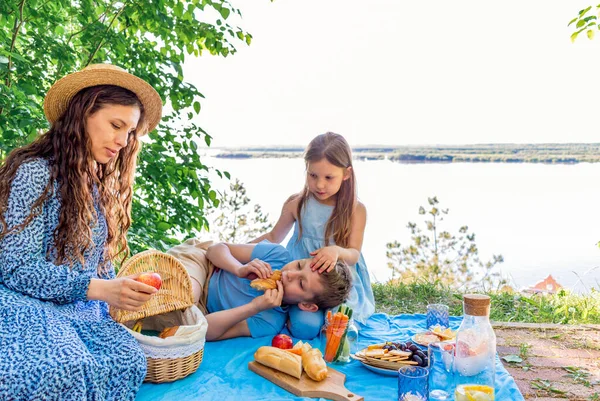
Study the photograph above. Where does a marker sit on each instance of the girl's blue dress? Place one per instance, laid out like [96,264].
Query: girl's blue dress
[314,219]
[54,343]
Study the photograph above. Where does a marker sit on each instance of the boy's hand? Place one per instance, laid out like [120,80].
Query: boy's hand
[269,300]
[324,259]
[255,268]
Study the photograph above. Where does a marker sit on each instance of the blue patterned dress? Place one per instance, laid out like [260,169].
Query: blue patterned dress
[314,219]
[54,344]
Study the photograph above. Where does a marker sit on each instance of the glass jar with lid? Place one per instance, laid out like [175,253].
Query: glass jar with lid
[475,355]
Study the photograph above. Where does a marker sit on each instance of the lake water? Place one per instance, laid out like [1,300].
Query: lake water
[542,218]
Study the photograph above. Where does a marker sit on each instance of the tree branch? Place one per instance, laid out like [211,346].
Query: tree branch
[37,9]
[105,34]
[18,23]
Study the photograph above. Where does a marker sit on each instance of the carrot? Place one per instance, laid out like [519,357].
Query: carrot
[329,335]
[339,335]
[345,335]
[329,353]
[339,326]
[329,326]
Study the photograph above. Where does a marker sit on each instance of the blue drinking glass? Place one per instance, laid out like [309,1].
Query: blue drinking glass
[437,315]
[413,383]
[441,374]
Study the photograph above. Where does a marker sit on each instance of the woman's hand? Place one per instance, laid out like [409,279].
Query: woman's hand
[255,268]
[123,293]
[269,300]
[324,259]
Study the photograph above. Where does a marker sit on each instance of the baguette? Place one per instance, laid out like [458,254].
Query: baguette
[314,364]
[280,360]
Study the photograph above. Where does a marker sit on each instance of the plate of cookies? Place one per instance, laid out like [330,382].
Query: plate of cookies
[390,356]
[433,335]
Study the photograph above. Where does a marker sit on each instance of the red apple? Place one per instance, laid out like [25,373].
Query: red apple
[152,279]
[282,341]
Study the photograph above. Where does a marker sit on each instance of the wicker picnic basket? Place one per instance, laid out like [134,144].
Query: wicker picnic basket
[175,357]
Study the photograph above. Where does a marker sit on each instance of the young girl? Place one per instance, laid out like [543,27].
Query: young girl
[329,224]
[65,203]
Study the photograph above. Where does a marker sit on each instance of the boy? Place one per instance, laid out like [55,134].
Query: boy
[234,309]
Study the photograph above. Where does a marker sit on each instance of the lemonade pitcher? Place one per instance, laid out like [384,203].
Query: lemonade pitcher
[475,358]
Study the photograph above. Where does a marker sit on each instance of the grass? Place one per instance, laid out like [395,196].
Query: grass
[563,307]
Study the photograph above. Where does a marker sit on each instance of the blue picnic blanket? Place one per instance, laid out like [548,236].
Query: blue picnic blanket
[223,374]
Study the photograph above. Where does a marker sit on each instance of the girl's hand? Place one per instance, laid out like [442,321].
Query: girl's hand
[270,299]
[123,293]
[255,268]
[324,259]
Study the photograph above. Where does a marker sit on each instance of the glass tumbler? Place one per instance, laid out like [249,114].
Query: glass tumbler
[413,384]
[437,315]
[441,373]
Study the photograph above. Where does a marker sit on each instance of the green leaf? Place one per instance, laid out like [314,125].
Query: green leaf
[178,10]
[197,107]
[59,30]
[225,12]
[580,23]
[590,34]
[573,20]
[163,226]
[512,358]
[574,36]
[584,11]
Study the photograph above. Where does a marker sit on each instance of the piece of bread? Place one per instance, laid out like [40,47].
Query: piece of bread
[280,360]
[168,332]
[314,364]
[263,284]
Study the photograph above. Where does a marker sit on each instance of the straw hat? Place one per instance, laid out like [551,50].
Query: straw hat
[60,94]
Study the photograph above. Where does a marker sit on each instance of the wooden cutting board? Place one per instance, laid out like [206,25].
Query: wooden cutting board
[332,388]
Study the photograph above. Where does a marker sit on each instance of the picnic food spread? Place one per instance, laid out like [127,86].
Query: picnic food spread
[392,355]
[263,284]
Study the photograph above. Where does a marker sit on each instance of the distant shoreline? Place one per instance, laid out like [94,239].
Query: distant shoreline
[486,153]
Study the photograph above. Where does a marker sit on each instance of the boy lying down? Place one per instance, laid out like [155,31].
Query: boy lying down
[221,284]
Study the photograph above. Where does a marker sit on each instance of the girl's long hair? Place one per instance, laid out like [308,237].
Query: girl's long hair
[81,181]
[334,148]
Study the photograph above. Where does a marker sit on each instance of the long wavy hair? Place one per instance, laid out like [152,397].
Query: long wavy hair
[80,180]
[334,148]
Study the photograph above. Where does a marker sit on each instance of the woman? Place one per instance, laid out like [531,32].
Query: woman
[65,203]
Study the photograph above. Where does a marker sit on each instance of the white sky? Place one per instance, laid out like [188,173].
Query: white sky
[403,72]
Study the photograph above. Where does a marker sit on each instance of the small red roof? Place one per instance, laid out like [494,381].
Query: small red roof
[549,284]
